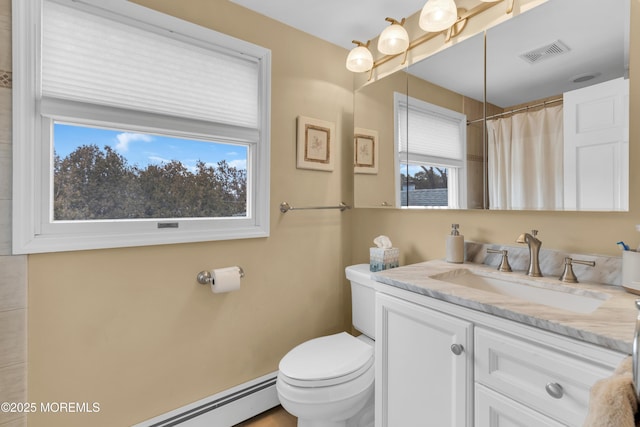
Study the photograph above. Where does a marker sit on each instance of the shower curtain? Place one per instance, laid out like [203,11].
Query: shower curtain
[525,155]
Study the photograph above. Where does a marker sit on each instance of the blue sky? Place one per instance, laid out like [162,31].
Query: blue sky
[145,149]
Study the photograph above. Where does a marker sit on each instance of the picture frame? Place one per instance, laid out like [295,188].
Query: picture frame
[365,151]
[315,144]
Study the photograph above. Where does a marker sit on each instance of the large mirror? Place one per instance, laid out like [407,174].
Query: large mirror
[562,62]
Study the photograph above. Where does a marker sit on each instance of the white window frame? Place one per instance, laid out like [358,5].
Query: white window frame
[33,229]
[457,169]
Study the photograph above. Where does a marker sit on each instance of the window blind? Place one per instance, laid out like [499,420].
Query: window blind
[435,135]
[134,68]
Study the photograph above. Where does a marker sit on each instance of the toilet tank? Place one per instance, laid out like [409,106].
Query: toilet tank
[363,298]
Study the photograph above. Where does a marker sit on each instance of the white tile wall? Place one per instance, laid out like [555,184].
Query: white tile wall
[19,422]
[5,109]
[13,269]
[12,389]
[13,289]
[5,227]
[13,336]
[5,169]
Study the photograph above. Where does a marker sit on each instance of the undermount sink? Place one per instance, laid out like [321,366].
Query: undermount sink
[536,291]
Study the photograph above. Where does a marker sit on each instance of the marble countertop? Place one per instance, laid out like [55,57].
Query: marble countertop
[610,325]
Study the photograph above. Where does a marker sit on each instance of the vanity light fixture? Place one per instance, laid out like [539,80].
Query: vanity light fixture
[438,15]
[509,4]
[394,39]
[360,58]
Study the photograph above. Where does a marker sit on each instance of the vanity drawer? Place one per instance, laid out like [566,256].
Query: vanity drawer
[555,383]
[495,410]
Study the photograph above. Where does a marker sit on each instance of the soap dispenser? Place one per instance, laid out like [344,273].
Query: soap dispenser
[455,246]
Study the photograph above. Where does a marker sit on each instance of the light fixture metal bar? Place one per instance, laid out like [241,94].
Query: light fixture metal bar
[428,36]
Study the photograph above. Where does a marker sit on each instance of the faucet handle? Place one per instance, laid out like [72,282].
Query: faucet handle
[504,264]
[534,233]
[568,275]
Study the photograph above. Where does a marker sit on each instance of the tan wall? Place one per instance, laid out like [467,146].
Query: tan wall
[420,235]
[131,328]
[374,105]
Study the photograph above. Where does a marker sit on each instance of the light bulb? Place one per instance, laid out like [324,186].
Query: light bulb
[393,40]
[438,15]
[359,59]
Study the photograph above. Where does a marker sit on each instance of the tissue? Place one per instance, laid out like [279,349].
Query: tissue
[384,256]
[382,242]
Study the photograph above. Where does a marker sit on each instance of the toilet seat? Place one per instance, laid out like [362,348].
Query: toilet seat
[326,361]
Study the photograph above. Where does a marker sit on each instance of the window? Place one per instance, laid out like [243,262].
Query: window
[431,154]
[135,128]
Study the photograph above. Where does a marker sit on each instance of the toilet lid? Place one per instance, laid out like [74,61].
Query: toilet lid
[327,358]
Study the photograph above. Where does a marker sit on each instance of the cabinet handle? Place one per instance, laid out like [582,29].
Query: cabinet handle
[457,349]
[555,390]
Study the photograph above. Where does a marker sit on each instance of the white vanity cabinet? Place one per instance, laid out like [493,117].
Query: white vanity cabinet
[423,366]
[507,374]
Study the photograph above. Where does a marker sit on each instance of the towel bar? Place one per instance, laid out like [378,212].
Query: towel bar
[286,207]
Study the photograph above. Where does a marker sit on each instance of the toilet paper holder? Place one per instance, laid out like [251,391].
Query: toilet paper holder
[205,277]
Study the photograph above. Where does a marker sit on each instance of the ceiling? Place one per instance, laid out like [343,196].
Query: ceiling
[595,36]
[336,21]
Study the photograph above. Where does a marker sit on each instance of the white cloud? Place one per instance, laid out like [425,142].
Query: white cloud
[127,137]
[238,164]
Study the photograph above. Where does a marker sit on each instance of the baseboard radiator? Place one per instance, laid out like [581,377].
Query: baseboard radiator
[224,409]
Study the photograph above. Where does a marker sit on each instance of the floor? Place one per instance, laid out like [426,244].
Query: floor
[276,417]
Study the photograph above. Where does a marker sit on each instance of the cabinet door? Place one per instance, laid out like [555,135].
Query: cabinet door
[495,410]
[420,380]
[596,137]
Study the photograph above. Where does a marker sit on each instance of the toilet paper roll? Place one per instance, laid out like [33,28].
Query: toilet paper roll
[225,279]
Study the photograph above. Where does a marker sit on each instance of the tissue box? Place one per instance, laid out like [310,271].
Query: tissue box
[383,259]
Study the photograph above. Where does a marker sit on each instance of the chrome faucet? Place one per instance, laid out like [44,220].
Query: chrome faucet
[534,252]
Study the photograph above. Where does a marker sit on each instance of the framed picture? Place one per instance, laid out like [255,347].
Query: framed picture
[316,144]
[365,151]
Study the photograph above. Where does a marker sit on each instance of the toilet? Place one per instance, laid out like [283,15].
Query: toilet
[329,381]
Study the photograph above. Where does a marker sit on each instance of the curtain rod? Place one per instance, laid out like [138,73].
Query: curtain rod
[541,104]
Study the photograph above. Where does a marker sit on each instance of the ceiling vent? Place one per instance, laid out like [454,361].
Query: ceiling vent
[549,51]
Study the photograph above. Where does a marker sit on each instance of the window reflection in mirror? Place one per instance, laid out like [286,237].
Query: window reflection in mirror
[450,86]
[432,167]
